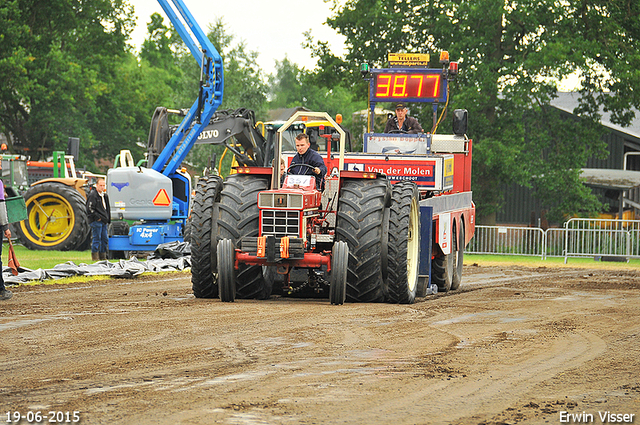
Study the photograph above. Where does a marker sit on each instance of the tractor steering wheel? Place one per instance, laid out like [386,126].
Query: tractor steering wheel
[398,132]
[298,165]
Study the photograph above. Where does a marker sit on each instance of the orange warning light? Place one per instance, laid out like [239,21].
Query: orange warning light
[262,243]
[161,199]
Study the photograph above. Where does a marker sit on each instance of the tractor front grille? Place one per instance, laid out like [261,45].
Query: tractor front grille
[280,223]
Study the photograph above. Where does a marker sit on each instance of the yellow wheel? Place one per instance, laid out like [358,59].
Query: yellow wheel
[56,218]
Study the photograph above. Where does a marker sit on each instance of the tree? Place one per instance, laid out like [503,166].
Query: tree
[62,63]
[292,86]
[512,54]
[244,85]
[286,87]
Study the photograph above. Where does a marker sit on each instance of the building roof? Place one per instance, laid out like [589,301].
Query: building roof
[568,101]
[611,179]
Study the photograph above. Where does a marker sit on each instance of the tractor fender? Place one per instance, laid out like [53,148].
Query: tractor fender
[78,184]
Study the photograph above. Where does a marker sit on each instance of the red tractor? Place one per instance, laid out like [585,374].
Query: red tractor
[295,232]
[287,230]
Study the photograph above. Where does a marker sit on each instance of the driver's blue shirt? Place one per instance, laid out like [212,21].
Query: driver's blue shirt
[314,159]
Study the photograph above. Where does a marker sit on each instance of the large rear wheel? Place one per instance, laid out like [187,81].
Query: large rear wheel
[56,218]
[404,243]
[238,217]
[204,275]
[360,223]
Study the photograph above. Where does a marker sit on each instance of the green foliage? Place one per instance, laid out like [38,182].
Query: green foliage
[244,87]
[292,86]
[511,55]
[158,49]
[62,70]
[286,87]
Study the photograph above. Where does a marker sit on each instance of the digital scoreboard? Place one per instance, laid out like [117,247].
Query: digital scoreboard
[408,85]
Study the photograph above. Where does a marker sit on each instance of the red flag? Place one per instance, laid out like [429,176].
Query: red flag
[13,261]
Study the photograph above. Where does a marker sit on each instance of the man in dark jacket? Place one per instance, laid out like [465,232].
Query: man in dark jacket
[402,123]
[99,214]
[308,156]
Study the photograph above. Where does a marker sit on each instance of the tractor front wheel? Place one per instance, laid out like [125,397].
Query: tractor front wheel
[226,278]
[339,266]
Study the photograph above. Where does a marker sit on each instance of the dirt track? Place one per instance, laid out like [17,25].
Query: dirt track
[514,346]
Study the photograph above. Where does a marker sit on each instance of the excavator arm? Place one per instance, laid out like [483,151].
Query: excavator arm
[239,124]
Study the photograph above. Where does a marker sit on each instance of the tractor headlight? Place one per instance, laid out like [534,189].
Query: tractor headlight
[280,200]
[265,200]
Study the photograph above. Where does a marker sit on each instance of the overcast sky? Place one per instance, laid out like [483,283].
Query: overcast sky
[271,28]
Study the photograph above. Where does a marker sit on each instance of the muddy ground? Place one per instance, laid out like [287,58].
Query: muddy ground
[519,345]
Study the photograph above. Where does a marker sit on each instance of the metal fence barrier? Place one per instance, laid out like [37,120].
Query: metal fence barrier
[578,238]
[507,241]
[602,238]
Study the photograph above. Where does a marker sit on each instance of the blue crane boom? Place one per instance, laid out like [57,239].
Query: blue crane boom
[211,88]
[158,198]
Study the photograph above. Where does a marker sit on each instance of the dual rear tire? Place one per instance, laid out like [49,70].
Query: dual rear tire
[238,217]
[204,276]
[404,243]
[360,224]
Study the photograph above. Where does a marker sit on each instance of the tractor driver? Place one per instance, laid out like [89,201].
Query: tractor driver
[402,123]
[308,156]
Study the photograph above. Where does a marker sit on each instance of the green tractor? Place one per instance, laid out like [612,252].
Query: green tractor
[14,177]
[56,207]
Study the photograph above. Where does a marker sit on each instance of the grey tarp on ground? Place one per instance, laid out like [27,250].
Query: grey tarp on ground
[172,256]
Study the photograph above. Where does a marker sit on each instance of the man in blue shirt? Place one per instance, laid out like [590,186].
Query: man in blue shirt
[308,156]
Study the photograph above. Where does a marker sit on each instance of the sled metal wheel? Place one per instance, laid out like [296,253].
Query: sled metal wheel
[226,275]
[339,267]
